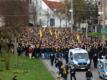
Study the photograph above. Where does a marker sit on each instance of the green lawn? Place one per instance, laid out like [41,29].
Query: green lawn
[26,70]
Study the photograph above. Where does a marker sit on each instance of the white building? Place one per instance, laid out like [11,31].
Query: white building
[49,13]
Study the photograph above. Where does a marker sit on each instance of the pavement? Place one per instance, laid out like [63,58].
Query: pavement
[80,75]
[50,68]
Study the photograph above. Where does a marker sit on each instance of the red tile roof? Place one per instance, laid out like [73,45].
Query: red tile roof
[54,5]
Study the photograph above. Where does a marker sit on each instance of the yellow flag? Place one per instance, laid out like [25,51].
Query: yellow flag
[56,34]
[50,32]
[40,33]
[78,38]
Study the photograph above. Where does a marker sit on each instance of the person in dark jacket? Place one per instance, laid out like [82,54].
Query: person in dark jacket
[72,73]
[52,58]
[89,75]
[95,56]
[34,52]
[37,52]
[59,64]
[66,57]
[19,50]
[91,53]
[104,51]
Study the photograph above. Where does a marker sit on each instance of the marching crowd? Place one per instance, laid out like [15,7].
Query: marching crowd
[57,40]
[54,43]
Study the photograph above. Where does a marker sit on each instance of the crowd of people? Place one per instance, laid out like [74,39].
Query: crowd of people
[46,40]
[57,40]
[54,43]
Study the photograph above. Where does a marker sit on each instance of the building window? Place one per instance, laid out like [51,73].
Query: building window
[52,22]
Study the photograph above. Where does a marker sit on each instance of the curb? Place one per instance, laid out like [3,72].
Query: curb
[50,70]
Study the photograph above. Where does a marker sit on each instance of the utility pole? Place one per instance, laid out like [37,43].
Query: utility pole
[72,19]
[103,18]
[101,7]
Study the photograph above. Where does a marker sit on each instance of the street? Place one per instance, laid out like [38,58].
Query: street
[80,75]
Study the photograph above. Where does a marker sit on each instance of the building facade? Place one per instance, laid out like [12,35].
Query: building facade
[48,13]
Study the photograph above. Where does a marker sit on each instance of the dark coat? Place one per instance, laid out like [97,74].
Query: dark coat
[72,72]
[89,74]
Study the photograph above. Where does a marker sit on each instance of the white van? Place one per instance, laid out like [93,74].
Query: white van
[79,58]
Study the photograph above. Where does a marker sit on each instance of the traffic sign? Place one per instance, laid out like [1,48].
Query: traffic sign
[104,30]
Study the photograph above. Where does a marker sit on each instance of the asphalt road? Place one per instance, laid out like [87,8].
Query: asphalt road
[80,75]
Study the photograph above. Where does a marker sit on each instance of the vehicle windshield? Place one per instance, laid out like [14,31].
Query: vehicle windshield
[105,65]
[81,56]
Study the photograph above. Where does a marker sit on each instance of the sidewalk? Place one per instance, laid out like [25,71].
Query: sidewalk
[50,68]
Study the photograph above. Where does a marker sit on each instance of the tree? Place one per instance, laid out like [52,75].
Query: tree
[79,8]
[15,15]
[82,10]
[32,12]
[92,13]
[66,10]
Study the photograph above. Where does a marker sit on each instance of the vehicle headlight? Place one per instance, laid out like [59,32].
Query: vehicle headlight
[75,62]
[105,73]
[88,62]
